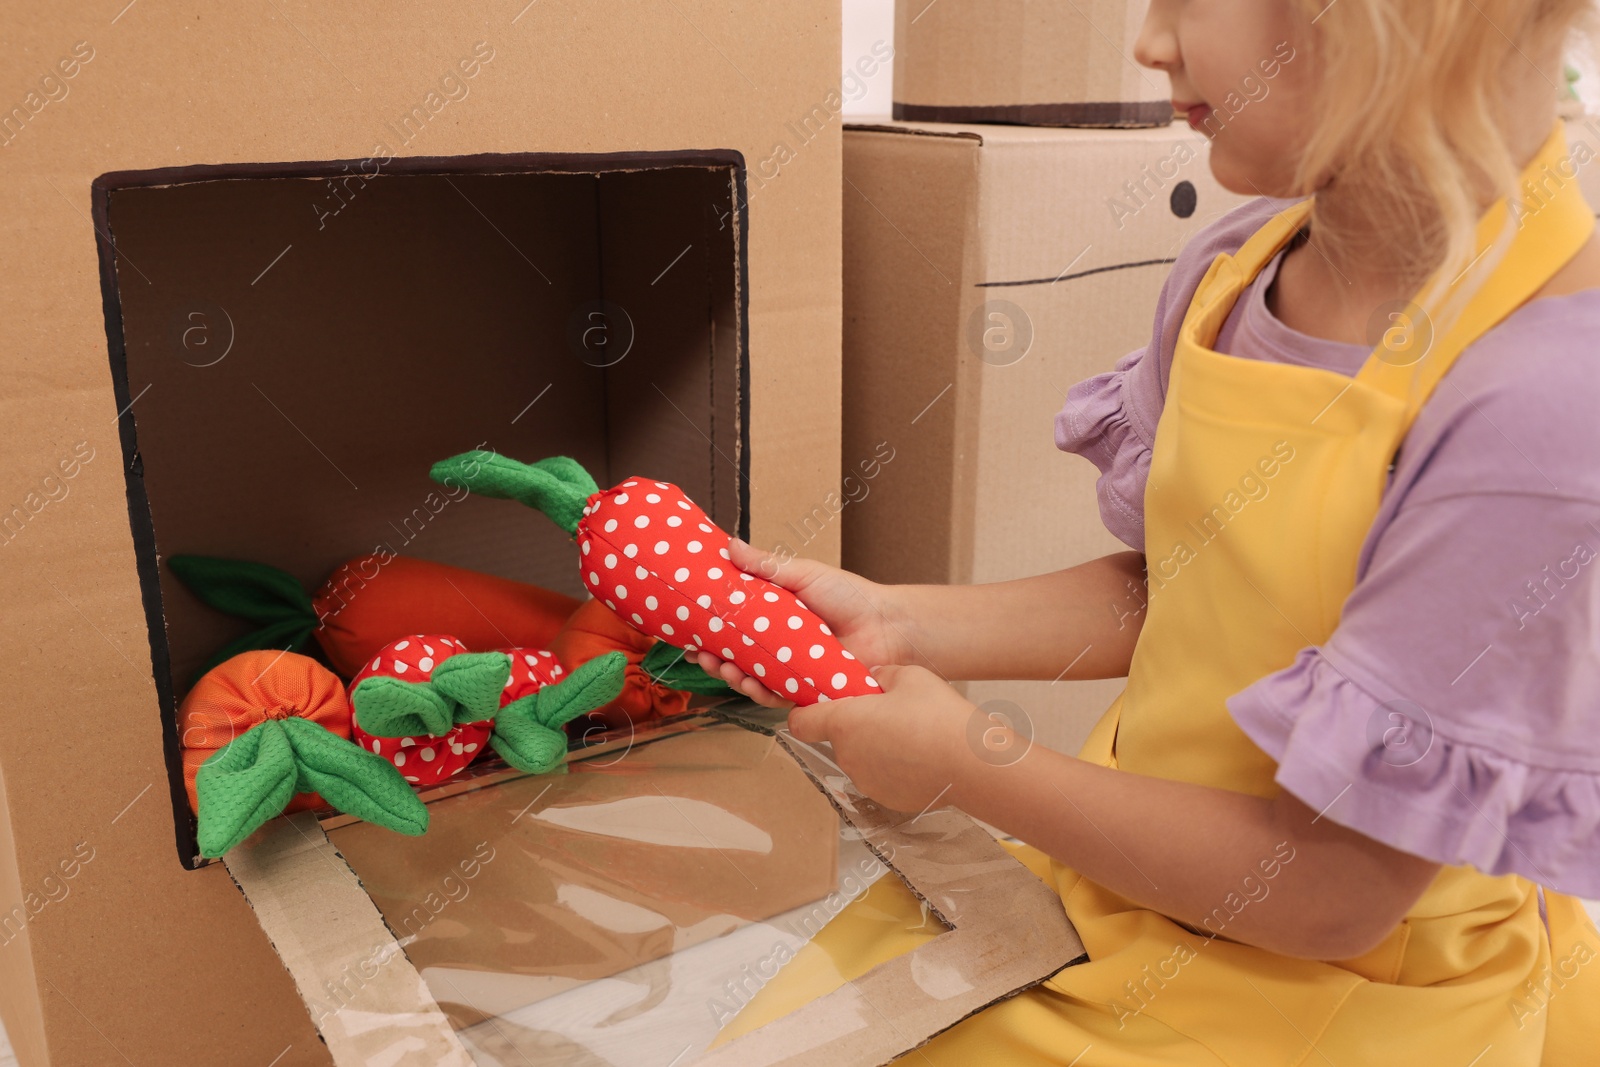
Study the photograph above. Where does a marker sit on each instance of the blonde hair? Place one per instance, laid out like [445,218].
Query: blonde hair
[1411,126]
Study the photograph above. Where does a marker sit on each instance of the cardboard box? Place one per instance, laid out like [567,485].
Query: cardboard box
[987,270]
[993,928]
[401,227]
[625,860]
[1035,62]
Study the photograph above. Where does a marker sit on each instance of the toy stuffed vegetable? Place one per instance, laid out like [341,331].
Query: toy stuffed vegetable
[652,556]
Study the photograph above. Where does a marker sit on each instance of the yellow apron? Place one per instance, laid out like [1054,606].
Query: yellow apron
[1264,482]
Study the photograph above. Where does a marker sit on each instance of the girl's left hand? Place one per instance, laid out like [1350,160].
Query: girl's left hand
[904,747]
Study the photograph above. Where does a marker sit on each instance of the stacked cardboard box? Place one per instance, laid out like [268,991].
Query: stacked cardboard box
[1039,62]
[988,269]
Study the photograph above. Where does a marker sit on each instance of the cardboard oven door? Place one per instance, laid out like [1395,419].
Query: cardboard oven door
[708,891]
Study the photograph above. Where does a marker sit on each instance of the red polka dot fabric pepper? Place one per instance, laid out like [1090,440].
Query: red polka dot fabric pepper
[652,556]
[431,707]
[401,715]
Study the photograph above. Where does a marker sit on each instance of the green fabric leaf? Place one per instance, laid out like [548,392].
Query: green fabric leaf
[667,665]
[473,682]
[525,742]
[251,591]
[589,686]
[243,785]
[392,707]
[355,781]
[289,635]
[557,486]
[255,592]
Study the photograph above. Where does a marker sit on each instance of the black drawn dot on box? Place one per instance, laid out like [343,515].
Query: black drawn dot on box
[1184,198]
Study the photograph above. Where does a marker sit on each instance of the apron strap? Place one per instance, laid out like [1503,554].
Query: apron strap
[1519,250]
[1229,274]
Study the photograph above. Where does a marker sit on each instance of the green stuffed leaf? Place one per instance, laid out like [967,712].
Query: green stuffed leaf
[243,785]
[589,686]
[251,591]
[354,780]
[557,486]
[525,742]
[669,666]
[392,707]
[255,592]
[290,635]
[473,681]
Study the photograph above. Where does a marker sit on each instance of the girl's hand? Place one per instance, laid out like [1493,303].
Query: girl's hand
[862,614]
[904,748]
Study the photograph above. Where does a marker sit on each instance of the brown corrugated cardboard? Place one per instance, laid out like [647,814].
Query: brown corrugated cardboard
[341,955]
[614,830]
[987,270]
[1037,62]
[1009,932]
[130,956]
[1006,930]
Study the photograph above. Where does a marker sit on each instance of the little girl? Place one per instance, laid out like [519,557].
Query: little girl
[1372,691]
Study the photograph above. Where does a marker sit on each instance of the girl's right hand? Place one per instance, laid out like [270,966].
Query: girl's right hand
[860,613]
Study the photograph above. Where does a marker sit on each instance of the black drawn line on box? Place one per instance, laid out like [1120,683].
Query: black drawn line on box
[1080,274]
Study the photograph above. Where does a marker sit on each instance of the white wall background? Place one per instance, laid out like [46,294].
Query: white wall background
[867,22]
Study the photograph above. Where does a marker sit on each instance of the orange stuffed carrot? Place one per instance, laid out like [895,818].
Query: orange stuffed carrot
[367,603]
[594,630]
[267,732]
[370,601]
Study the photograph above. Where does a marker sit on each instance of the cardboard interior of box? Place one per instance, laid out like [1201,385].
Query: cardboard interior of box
[289,416]
[1034,62]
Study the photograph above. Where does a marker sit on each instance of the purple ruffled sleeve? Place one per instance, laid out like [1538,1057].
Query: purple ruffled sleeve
[1110,419]
[1100,422]
[1387,767]
[1455,711]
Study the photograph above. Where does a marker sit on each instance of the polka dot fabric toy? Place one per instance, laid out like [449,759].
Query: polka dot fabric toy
[430,707]
[652,556]
[531,671]
[403,717]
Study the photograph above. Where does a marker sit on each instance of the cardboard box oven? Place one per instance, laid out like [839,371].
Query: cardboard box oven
[1038,62]
[988,269]
[324,247]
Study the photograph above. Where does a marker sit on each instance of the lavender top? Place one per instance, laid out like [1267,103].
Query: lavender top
[1475,616]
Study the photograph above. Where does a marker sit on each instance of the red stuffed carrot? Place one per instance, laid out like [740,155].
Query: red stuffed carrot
[368,602]
[658,561]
